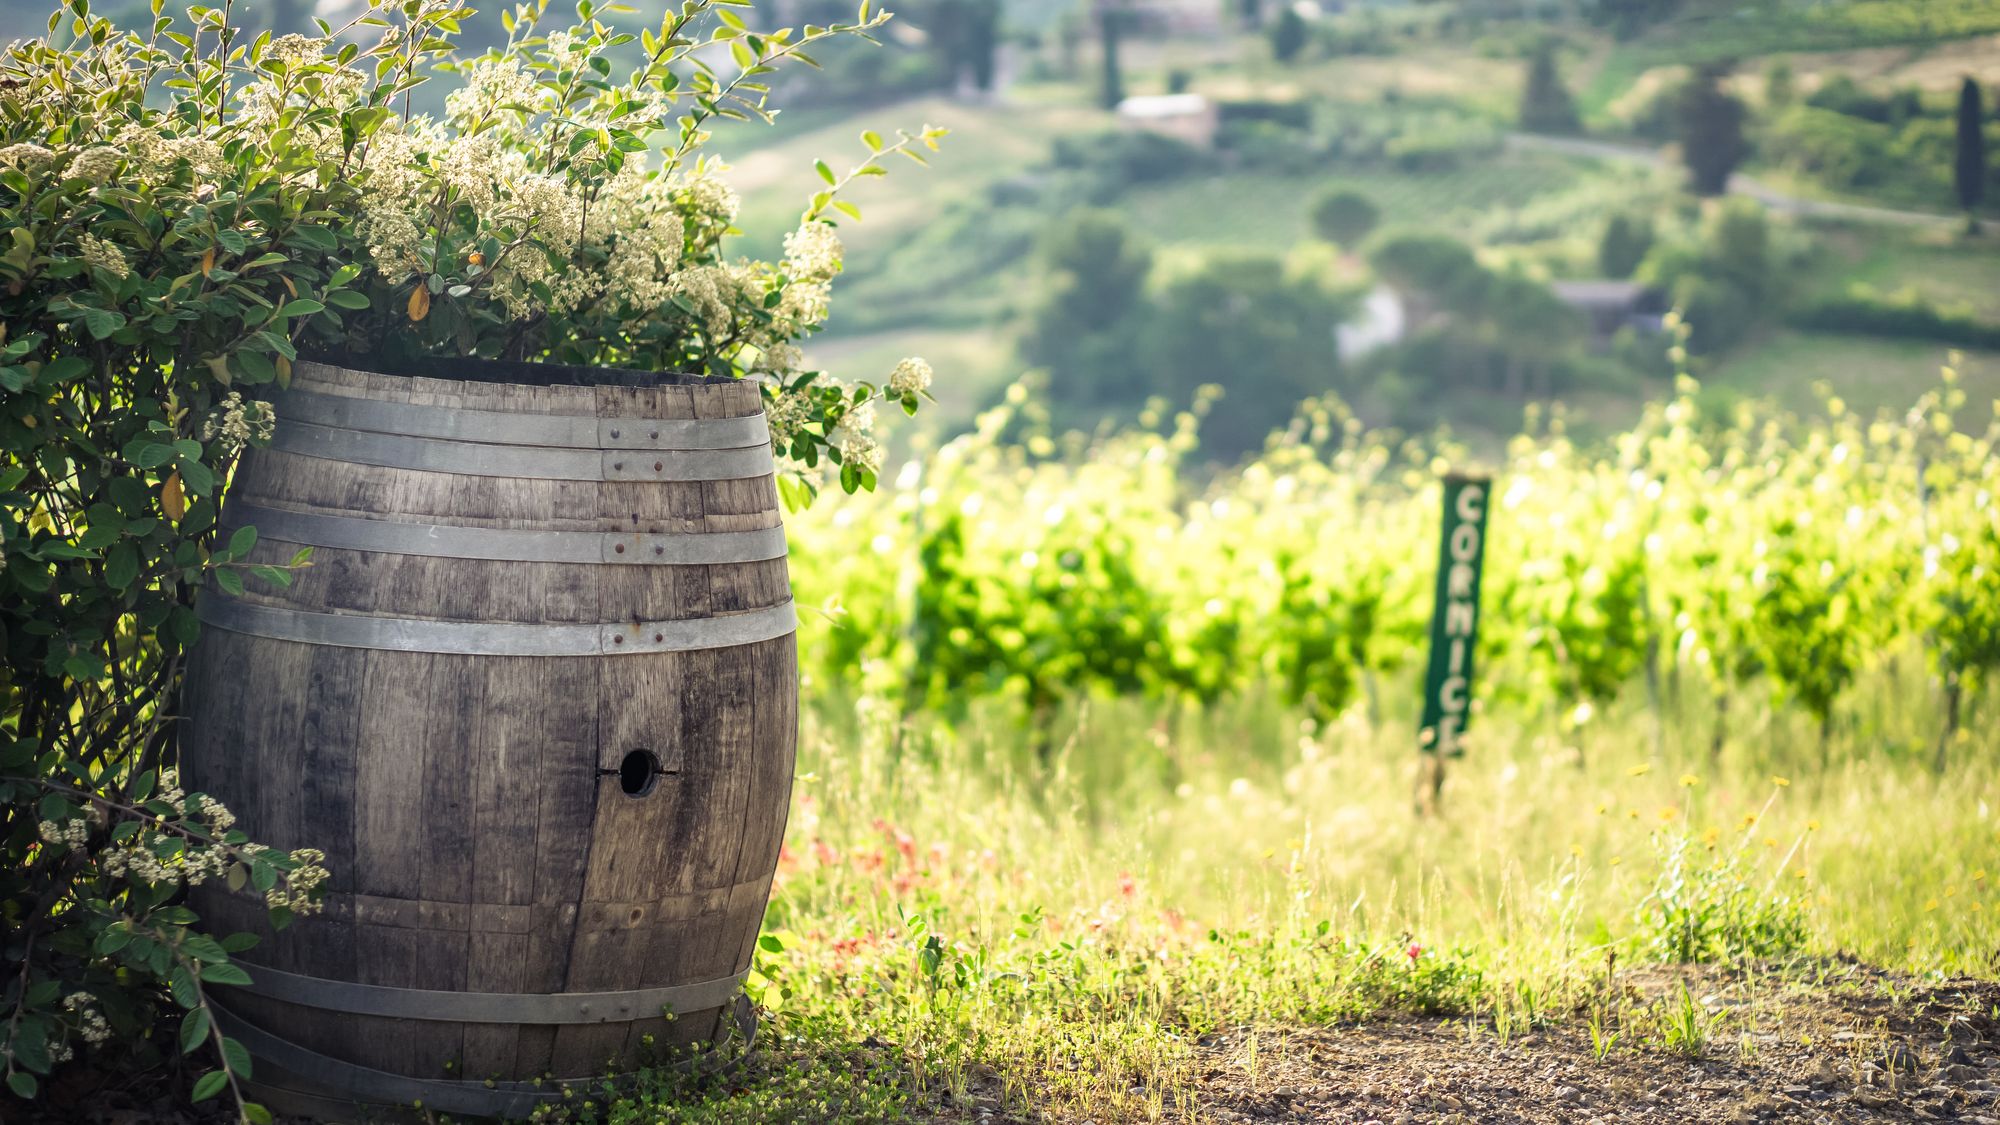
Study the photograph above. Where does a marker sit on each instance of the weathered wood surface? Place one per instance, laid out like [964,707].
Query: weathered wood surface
[470,806]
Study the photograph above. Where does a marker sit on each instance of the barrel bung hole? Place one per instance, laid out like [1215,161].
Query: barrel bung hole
[638,773]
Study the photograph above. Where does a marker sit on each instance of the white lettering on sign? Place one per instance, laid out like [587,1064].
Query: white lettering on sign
[1447,737]
[1465,542]
[1452,694]
[1460,615]
[1472,503]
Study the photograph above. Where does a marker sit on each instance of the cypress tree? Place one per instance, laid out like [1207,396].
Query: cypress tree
[1288,35]
[1969,170]
[982,42]
[1113,90]
[1546,106]
[1711,131]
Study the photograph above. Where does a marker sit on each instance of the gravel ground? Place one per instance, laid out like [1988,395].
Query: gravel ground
[1858,1046]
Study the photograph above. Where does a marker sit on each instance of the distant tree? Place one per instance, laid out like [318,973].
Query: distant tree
[1110,24]
[1344,217]
[1969,170]
[1710,123]
[982,41]
[1623,245]
[1178,80]
[1546,106]
[1252,12]
[1289,34]
[1263,331]
[1780,85]
[1085,324]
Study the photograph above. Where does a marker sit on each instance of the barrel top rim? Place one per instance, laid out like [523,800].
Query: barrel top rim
[498,372]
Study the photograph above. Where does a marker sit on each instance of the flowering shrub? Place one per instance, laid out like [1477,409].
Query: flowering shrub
[182,213]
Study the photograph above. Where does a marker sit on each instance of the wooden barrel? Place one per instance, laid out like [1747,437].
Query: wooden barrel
[535,697]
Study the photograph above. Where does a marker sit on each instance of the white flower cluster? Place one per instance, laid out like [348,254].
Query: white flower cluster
[90,1022]
[854,437]
[786,415]
[295,49]
[297,890]
[237,423]
[218,816]
[157,155]
[911,376]
[639,213]
[26,156]
[813,253]
[74,832]
[98,164]
[104,255]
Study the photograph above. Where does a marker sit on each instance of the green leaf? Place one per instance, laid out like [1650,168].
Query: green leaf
[346,299]
[222,972]
[22,1083]
[151,454]
[301,307]
[102,322]
[256,1114]
[182,984]
[242,541]
[230,581]
[209,1085]
[825,173]
[194,1030]
[121,565]
[236,1056]
[769,943]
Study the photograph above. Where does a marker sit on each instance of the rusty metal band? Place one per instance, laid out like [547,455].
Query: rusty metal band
[493,427]
[537,462]
[480,638]
[487,1007]
[352,533]
[335,1084]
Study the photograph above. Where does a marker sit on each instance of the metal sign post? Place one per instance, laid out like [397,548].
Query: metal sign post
[1454,621]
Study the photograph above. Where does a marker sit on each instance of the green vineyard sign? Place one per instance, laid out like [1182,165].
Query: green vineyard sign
[1455,620]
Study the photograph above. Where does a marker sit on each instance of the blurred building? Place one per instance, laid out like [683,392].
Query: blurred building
[1191,118]
[1611,305]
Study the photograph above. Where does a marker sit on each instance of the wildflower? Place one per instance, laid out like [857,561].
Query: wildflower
[911,376]
[1689,781]
[1413,952]
[1639,770]
[1781,782]
[105,255]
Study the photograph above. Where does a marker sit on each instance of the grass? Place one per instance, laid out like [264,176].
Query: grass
[1261,211]
[1867,373]
[953,917]
[1951,274]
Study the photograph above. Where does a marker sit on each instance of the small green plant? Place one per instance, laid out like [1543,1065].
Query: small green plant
[1603,1037]
[1719,909]
[1684,1027]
